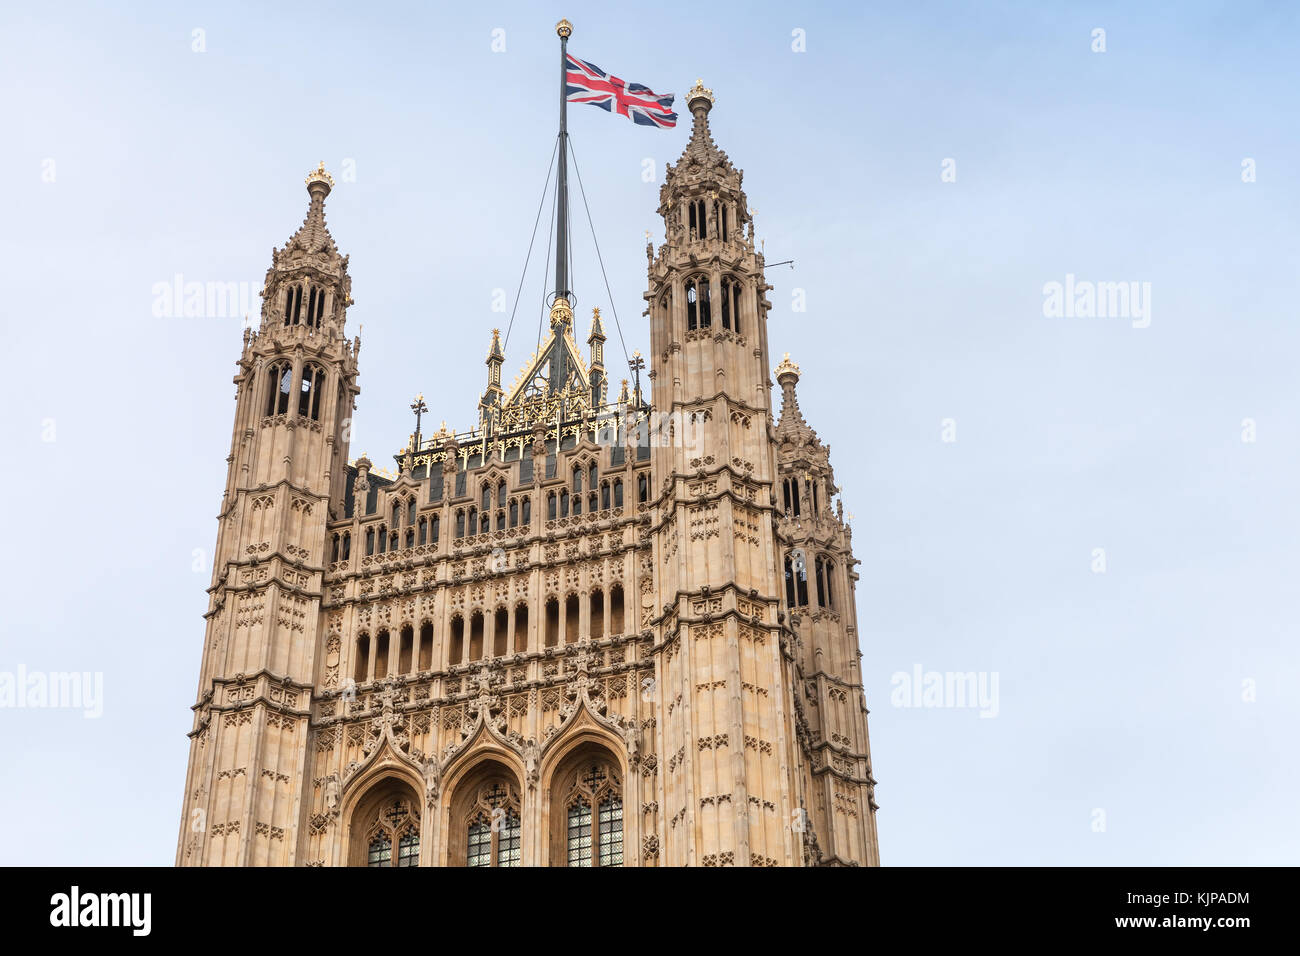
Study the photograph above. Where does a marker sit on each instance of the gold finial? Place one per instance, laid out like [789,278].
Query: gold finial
[595,312]
[561,313]
[787,367]
[318,175]
[564,29]
[699,92]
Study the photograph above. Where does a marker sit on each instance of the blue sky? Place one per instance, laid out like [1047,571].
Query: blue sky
[131,158]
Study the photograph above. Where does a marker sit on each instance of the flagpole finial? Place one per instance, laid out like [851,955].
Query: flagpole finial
[564,29]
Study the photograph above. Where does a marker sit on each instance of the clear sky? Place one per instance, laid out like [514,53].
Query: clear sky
[1161,692]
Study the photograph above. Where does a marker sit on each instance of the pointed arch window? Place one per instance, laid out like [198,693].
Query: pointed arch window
[315,307]
[692,306]
[594,818]
[280,379]
[796,579]
[493,827]
[293,304]
[309,393]
[730,304]
[397,825]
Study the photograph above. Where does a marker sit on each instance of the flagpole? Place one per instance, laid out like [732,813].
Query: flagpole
[564,28]
[563,295]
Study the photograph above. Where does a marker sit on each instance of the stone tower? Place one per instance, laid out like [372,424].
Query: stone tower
[726,725]
[581,633]
[295,387]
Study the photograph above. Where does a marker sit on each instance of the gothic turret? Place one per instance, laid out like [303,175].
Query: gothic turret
[596,371]
[820,598]
[491,400]
[295,384]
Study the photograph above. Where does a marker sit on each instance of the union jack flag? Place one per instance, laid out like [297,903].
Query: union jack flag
[587,83]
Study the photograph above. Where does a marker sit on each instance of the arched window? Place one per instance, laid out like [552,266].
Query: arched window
[571,634]
[362,663]
[550,506]
[642,489]
[315,307]
[501,494]
[486,496]
[405,648]
[527,515]
[381,655]
[604,496]
[706,310]
[594,817]
[514,512]
[456,643]
[564,503]
[597,613]
[370,541]
[460,522]
[473,521]
[692,306]
[552,634]
[313,385]
[347,545]
[280,384]
[616,609]
[618,492]
[726,303]
[424,530]
[383,539]
[500,632]
[396,824]
[334,549]
[410,511]
[521,628]
[433,529]
[792,490]
[493,828]
[827,576]
[476,636]
[293,304]
[426,646]
[796,579]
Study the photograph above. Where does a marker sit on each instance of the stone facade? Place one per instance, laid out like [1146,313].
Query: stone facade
[584,633]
